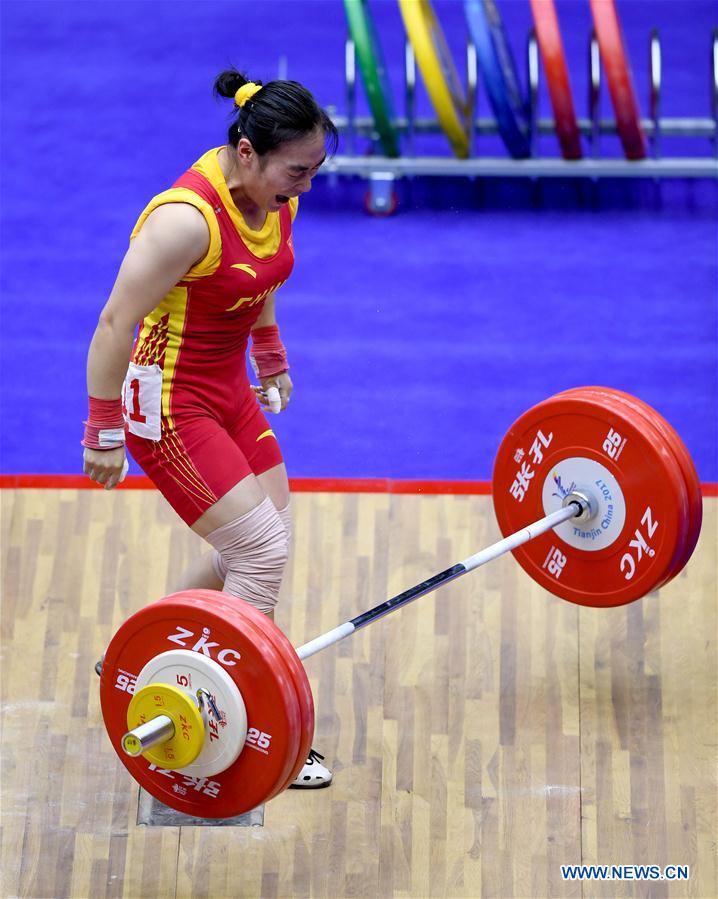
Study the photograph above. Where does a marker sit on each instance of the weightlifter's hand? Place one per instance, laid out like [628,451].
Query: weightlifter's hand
[271,402]
[106,467]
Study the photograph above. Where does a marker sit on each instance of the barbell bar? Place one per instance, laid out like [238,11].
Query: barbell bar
[573,509]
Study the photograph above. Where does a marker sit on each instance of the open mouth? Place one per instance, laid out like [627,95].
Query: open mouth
[280,198]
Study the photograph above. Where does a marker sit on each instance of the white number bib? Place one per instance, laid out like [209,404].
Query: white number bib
[143,400]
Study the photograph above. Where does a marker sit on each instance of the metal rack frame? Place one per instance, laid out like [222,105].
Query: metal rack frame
[381,172]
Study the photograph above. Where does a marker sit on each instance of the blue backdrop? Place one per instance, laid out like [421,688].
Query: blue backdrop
[414,341]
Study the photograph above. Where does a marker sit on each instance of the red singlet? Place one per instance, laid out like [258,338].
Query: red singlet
[195,425]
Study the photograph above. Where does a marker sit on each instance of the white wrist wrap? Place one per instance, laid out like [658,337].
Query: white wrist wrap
[109,438]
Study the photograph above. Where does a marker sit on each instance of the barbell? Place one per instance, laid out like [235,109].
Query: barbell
[207,703]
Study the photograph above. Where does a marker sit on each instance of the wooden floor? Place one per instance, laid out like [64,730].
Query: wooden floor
[480,738]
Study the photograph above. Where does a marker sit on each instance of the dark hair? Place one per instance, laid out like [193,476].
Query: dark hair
[280,111]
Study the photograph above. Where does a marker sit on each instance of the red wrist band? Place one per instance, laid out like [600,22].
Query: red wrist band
[105,425]
[268,356]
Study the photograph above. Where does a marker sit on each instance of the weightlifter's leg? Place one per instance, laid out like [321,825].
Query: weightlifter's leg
[251,547]
[250,541]
[209,571]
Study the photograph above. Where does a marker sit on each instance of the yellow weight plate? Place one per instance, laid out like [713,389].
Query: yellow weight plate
[438,71]
[188,739]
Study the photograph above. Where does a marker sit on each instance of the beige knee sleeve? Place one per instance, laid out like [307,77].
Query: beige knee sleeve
[253,551]
[220,569]
[286,515]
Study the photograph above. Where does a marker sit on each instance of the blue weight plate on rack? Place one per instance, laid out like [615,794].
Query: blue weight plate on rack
[499,73]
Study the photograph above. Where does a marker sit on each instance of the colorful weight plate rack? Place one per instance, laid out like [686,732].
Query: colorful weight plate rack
[381,171]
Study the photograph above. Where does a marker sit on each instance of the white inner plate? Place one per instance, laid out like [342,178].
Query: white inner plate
[585,475]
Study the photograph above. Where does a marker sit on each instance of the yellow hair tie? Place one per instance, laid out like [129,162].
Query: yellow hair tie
[245,92]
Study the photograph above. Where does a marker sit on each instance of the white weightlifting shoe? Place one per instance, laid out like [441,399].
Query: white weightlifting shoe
[313,775]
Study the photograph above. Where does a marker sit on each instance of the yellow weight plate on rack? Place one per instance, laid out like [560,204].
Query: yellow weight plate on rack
[438,71]
[188,739]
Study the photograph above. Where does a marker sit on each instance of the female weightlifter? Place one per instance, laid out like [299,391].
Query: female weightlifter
[205,262]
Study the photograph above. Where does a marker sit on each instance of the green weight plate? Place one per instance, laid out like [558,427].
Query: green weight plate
[373,70]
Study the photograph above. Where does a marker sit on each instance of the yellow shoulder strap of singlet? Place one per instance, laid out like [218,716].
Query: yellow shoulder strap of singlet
[208,265]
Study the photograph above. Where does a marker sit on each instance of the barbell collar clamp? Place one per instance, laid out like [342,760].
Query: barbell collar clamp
[204,696]
[586,503]
[141,738]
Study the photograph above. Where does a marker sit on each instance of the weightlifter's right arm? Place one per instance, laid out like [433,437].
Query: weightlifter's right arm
[174,237]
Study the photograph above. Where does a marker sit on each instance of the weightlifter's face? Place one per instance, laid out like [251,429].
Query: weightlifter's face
[272,179]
